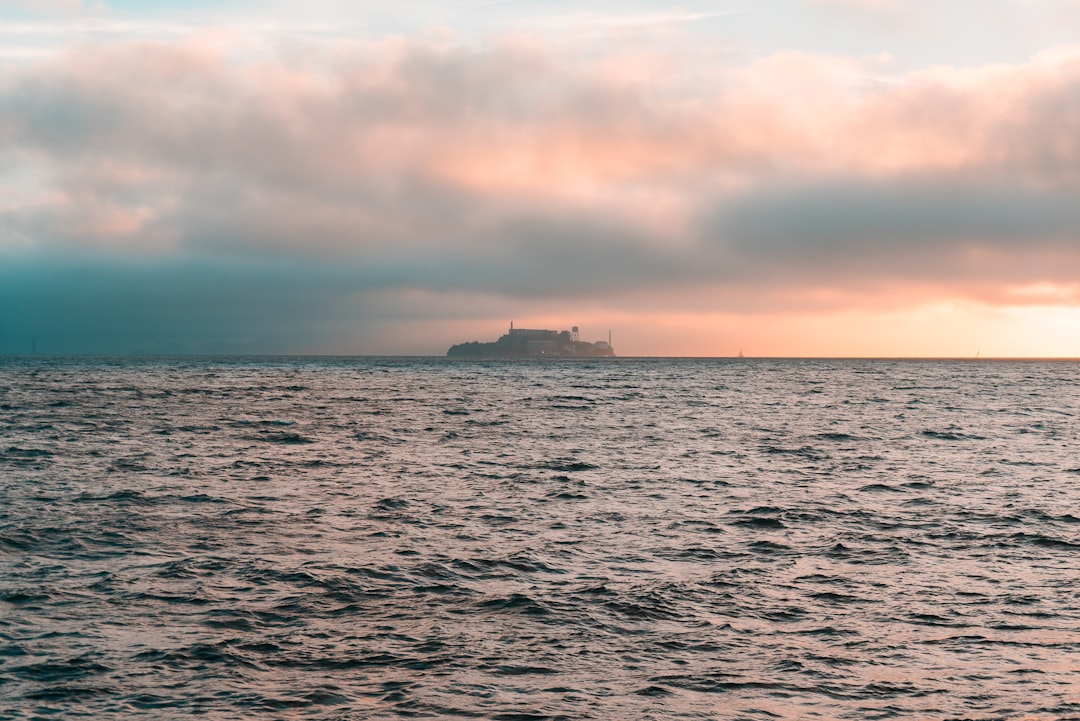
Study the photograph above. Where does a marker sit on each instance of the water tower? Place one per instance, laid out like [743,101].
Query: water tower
[574,334]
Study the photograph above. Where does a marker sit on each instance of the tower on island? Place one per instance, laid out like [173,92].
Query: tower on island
[535,343]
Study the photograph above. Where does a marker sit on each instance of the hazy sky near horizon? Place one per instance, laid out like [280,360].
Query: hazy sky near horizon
[788,177]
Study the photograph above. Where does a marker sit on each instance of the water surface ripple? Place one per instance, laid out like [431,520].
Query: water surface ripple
[629,539]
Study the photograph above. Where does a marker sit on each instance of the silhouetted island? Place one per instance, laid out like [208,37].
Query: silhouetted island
[529,343]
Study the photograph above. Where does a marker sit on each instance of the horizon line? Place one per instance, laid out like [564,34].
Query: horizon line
[542,358]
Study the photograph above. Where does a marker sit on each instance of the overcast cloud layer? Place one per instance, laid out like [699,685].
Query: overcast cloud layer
[206,190]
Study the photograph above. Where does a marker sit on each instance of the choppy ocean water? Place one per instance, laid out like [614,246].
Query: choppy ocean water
[628,539]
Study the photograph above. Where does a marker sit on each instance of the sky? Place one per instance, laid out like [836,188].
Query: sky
[835,178]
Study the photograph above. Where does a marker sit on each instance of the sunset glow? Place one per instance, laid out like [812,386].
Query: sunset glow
[697,179]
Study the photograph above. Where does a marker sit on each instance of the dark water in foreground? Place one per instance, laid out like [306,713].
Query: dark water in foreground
[341,539]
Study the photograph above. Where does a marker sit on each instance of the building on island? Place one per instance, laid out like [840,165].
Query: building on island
[532,343]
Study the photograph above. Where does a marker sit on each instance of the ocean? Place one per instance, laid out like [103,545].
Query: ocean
[366,538]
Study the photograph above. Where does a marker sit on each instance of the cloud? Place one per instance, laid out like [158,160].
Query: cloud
[105,303]
[858,4]
[53,9]
[206,190]
[872,242]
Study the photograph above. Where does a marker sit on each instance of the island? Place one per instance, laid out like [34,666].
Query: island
[531,343]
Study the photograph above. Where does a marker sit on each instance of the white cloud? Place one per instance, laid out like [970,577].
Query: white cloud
[55,7]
